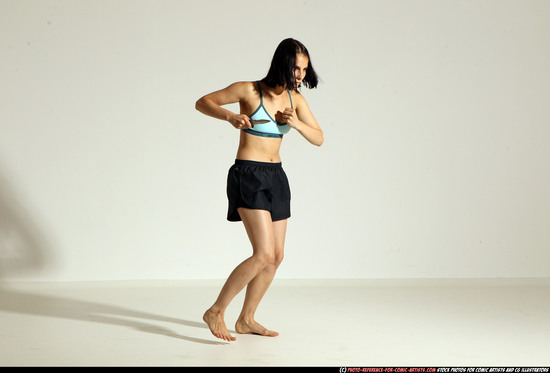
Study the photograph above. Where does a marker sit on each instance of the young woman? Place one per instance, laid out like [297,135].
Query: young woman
[257,187]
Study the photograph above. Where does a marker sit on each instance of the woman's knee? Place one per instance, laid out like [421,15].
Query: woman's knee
[271,258]
[277,259]
[263,259]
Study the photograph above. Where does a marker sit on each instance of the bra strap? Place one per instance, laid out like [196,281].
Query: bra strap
[290,97]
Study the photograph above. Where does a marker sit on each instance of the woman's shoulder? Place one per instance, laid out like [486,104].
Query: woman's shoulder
[243,88]
[244,85]
[297,97]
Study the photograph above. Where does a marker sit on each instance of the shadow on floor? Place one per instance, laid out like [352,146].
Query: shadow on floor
[72,309]
[24,247]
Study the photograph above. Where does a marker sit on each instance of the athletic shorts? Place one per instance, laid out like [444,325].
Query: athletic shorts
[258,185]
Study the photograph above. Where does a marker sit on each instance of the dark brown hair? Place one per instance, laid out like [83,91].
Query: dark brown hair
[281,71]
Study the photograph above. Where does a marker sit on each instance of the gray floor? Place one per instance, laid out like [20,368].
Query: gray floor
[321,323]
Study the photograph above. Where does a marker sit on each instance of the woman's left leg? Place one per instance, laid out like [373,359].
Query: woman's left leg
[258,286]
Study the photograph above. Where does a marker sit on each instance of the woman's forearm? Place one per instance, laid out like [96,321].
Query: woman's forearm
[210,108]
[313,135]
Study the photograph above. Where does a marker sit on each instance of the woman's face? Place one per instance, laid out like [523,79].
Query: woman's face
[301,68]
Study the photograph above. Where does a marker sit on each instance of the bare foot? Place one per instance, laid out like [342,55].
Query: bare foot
[246,327]
[215,322]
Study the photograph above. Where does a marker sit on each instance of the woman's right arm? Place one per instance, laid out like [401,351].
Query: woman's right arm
[212,103]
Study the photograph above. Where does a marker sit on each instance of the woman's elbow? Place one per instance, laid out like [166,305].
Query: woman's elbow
[317,141]
[320,140]
[199,104]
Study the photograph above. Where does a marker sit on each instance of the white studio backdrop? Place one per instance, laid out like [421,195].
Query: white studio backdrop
[436,160]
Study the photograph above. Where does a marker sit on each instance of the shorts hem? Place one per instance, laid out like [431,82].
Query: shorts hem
[235,217]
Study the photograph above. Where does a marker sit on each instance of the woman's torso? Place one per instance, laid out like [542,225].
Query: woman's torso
[263,99]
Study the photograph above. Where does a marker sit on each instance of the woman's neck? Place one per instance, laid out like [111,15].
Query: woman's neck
[277,90]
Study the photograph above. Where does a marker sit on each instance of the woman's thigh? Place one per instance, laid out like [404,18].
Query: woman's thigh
[259,228]
[279,234]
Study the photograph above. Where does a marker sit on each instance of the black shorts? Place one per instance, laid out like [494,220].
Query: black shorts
[258,185]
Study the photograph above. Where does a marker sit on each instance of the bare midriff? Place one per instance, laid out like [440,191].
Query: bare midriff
[258,148]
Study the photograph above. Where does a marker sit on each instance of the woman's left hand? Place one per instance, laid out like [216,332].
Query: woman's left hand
[289,117]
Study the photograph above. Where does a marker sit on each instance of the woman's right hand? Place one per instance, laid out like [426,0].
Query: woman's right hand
[240,121]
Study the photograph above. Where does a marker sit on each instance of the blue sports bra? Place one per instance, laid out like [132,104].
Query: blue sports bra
[270,129]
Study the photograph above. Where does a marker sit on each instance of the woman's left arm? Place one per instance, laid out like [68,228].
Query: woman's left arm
[302,120]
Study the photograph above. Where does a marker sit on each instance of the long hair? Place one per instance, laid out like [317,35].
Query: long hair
[281,71]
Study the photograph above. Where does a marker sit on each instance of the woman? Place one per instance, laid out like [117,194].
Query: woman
[257,187]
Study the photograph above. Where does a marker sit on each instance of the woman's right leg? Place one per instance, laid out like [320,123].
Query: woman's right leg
[257,288]
[259,227]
